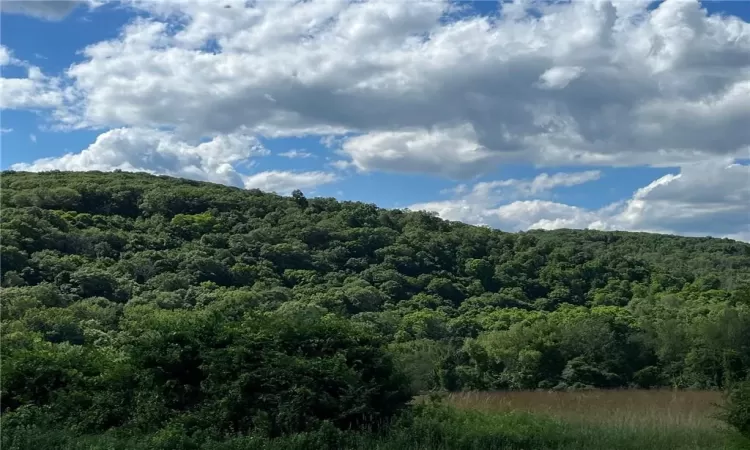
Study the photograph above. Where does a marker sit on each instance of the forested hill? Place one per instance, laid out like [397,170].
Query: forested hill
[125,292]
[127,213]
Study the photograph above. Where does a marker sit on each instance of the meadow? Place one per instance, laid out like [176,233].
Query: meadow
[612,419]
[666,409]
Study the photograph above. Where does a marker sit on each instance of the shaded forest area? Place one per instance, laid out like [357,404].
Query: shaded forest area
[137,302]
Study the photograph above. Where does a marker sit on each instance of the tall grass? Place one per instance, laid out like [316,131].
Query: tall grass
[626,408]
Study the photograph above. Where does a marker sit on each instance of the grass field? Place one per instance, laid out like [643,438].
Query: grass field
[625,408]
[613,419]
[588,420]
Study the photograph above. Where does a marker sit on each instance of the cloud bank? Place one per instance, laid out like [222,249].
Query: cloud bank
[419,87]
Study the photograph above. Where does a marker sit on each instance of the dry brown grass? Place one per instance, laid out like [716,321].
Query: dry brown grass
[626,408]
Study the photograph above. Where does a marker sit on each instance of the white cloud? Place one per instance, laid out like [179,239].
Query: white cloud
[341,164]
[452,152]
[393,86]
[479,205]
[6,130]
[32,138]
[331,141]
[559,77]
[160,152]
[710,198]
[28,93]
[530,214]
[741,236]
[292,154]
[705,198]
[34,91]
[5,55]
[285,182]
[589,82]
[545,182]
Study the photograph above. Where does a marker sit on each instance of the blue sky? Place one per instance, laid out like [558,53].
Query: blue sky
[586,114]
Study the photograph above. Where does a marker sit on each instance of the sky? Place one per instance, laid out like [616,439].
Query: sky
[612,115]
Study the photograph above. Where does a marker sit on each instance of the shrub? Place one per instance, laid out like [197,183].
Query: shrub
[736,408]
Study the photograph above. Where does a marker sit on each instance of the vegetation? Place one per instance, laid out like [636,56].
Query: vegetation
[425,427]
[150,312]
[736,410]
[657,408]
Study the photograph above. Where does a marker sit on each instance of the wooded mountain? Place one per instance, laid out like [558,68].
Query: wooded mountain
[136,300]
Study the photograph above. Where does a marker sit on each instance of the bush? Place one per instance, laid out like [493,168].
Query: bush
[736,409]
[270,373]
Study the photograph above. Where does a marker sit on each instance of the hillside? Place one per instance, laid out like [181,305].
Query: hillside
[131,300]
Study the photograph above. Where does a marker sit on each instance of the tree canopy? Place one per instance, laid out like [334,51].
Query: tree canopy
[136,300]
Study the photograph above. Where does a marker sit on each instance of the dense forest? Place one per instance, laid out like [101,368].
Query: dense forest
[131,301]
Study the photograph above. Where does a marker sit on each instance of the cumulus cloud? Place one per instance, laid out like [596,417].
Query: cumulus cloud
[5,56]
[42,9]
[479,205]
[341,164]
[452,152]
[702,199]
[162,152]
[34,91]
[546,182]
[531,214]
[559,77]
[285,182]
[589,82]
[159,152]
[414,87]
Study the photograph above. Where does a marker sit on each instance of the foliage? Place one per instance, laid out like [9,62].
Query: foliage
[736,409]
[428,427]
[175,307]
